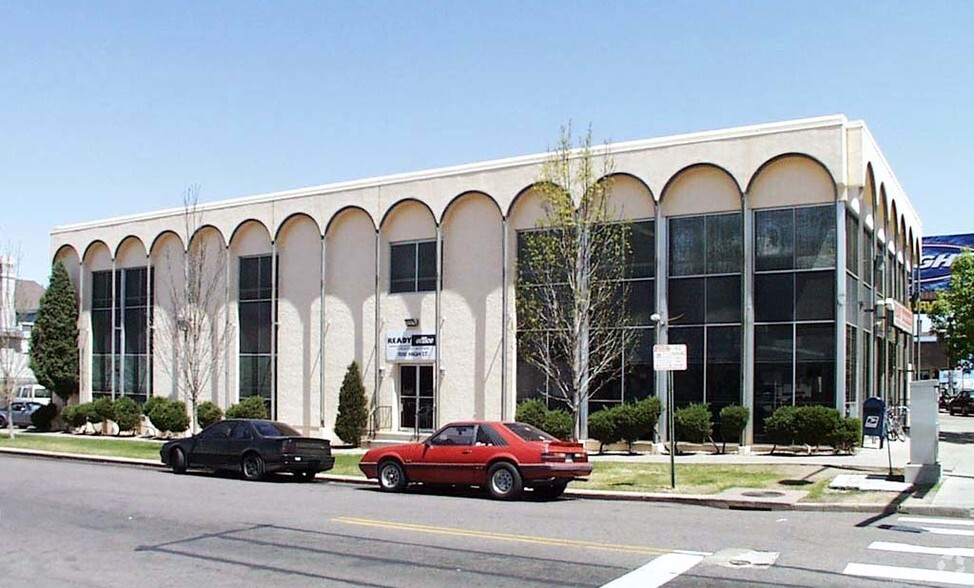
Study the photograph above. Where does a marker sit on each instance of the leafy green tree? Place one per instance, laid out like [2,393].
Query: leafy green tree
[693,423]
[952,314]
[780,426]
[558,423]
[571,292]
[602,427]
[637,420]
[54,338]
[353,411]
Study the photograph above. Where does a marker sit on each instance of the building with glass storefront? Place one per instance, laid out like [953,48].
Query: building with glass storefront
[782,255]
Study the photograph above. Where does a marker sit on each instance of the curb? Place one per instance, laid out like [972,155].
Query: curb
[685,499]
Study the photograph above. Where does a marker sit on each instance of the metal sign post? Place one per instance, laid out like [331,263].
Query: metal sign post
[670,358]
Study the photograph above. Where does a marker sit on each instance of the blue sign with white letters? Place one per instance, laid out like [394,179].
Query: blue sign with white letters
[938,256]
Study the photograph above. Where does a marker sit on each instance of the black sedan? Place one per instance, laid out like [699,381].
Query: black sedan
[963,403]
[250,446]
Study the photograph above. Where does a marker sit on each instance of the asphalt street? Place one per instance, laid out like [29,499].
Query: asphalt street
[72,524]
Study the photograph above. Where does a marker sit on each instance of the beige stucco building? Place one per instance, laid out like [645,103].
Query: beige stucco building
[807,212]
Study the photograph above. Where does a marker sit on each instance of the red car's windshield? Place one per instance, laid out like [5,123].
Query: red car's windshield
[528,432]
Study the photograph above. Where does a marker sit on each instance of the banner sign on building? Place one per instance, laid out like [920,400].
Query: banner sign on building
[902,317]
[408,346]
[938,256]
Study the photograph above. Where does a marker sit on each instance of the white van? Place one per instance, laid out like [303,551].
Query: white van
[33,393]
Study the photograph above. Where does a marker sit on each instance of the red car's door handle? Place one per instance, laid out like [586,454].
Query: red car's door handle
[467,451]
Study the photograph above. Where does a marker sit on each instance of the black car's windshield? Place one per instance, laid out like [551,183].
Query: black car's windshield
[528,432]
[274,429]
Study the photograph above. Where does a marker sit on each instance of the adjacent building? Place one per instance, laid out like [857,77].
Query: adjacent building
[781,254]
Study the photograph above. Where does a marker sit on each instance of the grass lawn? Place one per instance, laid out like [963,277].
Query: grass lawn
[690,479]
[121,447]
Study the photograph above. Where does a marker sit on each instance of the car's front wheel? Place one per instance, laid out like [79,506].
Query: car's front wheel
[550,491]
[391,477]
[252,467]
[177,460]
[504,481]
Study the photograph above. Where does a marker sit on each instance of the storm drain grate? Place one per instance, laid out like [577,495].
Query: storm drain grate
[763,494]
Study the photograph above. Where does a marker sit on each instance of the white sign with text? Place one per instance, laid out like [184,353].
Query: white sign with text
[670,358]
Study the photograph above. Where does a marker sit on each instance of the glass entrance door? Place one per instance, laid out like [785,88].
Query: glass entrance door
[416,397]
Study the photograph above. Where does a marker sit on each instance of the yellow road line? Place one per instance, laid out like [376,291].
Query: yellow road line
[502,536]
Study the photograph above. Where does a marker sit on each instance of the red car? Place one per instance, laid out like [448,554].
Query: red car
[504,457]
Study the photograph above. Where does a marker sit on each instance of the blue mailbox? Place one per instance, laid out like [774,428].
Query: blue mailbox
[874,419]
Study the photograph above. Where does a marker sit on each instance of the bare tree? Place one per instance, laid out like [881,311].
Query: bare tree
[195,325]
[571,289]
[13,340]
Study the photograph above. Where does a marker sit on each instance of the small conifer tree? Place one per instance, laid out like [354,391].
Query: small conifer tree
[54,338]
[353,413]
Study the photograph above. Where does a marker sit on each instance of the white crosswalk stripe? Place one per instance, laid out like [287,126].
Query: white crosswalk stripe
[657,572]
[948,569]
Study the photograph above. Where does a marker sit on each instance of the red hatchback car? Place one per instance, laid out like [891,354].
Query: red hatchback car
[504,457]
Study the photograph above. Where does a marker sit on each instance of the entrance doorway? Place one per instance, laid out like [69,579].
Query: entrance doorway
[416,397]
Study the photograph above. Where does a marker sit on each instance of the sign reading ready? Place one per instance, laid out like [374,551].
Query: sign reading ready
[408,346]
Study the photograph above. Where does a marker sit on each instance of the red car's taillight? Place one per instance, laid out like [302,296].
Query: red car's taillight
[553,457]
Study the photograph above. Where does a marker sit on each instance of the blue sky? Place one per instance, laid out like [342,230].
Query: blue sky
[112,108]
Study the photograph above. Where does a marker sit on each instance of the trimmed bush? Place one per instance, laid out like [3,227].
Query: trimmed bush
[170,416]
[251,407]
[43,417]
[98,410]
[693,423]
[733,420]
[151,403]
[815,424]
[86,414]
[559,424]
[847,435]
[532,412]
[72,417]
[208,413]
[780,427]
[353,409]
[636,421]
[602,427]
[127,414]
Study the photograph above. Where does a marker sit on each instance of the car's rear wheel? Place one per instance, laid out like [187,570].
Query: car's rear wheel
[177,459]
[252,467]
[391,477]
[504,481]
[550,491]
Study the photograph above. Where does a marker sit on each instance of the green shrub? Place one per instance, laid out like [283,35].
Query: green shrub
[814,425]
[780,427]
[44,416]
[127,414]
[251,407]
[208,413]
[733,420]
[602,427]
[693,423]
[847,435]
[100,409]
[151,403]
[637,420]
[532,412]
[85,412]
[70,417]
[353,410]
[559,424]
[170,416]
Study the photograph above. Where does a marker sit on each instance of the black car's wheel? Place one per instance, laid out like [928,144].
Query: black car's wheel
[177,460]
[252,467]
[391,477]
[951,411]
[550,491]
[306,475]
[504,481]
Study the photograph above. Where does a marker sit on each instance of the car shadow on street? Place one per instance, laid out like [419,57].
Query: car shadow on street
[321,548]
[466,492]
[273,478]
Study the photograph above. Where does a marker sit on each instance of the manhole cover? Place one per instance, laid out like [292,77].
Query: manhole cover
[763,494]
